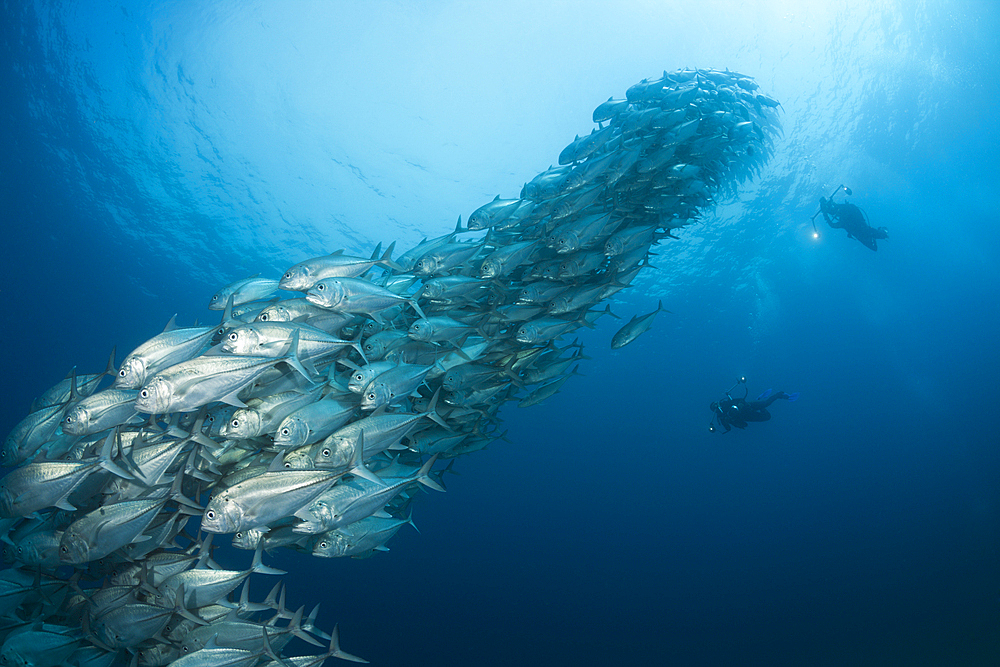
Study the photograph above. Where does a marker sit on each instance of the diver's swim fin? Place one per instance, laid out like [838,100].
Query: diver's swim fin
[764,395]
[793,397]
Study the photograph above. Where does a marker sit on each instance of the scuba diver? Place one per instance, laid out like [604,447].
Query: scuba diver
[849,217]
[739,412]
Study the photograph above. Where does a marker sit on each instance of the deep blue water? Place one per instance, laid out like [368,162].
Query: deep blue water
[154,152]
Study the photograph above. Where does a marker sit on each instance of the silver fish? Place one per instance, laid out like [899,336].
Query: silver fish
[304,275]
[191,384]
[243,291]
[110,527]
[101,411]
[636,326]
[162,351]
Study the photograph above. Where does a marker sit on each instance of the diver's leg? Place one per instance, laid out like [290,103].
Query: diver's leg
[760,405]
[755,414]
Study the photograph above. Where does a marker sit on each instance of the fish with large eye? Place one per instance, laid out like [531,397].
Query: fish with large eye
[243,291]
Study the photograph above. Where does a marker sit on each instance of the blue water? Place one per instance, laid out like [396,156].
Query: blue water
[152,152]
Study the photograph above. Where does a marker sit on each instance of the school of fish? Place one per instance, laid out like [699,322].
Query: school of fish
[312,420]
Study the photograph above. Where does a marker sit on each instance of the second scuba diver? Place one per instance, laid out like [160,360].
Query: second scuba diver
[738,412]
[850,218]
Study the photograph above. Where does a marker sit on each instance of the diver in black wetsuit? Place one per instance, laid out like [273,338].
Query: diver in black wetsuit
[851,218]
[739,412]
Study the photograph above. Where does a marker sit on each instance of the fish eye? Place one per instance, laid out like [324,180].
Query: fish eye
[144,393]
[263,317]
[322,545]
[326,452]
[215,298]
[64,549]
[69,419]
[210,514]
[287,464]
[371,396]
[239,535]
[321,287]
[288,274]
[121,373]
[284,431]
[233,336]
[235,423]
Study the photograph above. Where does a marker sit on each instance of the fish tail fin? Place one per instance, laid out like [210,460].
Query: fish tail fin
[269,650]
[296,628]
[357,466]
[310,624]
[272,597]
[409,518]
[180,607]
[185,505]
[385,261]
[416,307]
[336,652]
[74,392]
[432,413]
[424,475]
[110,368]
[245,604]
[513,375]
[227,315]
[292,358]
[108,452]
[259,567]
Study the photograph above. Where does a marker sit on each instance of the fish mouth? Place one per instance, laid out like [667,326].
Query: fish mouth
[315,299]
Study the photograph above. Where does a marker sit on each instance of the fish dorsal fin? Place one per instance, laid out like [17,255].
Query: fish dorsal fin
[171,324]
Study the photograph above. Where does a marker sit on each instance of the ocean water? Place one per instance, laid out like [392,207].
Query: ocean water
[152,152]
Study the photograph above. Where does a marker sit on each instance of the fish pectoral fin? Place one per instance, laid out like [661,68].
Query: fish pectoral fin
[382,514]
[140,538]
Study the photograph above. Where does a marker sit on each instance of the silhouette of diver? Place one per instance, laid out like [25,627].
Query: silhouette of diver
[739,412]
[849,217]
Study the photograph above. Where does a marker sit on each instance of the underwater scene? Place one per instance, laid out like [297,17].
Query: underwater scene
[490,333]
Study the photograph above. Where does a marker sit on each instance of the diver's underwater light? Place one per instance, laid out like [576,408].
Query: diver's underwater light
[815,235]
